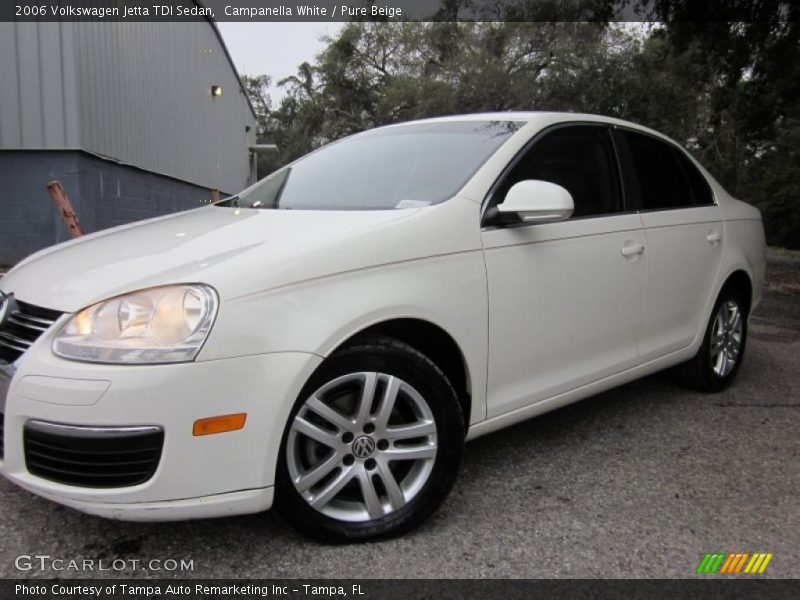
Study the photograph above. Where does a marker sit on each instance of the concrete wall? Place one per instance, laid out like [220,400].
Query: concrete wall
[103,193]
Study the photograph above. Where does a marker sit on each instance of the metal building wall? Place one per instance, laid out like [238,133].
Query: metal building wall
[138,93]
[38,86]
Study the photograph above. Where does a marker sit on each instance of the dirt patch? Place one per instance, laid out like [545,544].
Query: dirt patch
[778,316]
[783,276]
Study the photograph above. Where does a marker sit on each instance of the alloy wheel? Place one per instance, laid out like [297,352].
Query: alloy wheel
[361,446]
[726,338]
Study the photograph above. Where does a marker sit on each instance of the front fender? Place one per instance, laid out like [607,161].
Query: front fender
[316,317]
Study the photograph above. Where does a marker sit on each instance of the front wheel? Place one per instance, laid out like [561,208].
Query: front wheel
[372,446]
[719,357]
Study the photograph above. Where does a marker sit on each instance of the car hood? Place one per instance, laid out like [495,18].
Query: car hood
[237,251]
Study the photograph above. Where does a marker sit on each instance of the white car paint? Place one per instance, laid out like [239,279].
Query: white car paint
[682,263]
[542,278]
[543,315]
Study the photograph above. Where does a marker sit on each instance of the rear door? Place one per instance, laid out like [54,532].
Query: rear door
[683,228]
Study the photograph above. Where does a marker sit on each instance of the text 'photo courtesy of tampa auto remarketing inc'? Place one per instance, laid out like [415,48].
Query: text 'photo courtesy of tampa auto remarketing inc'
[399,299]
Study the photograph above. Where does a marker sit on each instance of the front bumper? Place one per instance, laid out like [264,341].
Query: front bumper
[219,505]
[197,476]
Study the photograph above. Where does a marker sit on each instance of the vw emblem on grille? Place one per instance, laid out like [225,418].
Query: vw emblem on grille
[363,447]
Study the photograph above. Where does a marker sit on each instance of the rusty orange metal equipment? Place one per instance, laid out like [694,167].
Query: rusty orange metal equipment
[64,208]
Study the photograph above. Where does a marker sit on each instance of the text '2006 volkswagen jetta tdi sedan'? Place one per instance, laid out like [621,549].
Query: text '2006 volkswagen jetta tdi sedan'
[328,339]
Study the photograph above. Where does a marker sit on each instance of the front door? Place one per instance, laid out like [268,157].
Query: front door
[565,299]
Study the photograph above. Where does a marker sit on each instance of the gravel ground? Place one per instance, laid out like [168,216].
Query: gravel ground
[640,481]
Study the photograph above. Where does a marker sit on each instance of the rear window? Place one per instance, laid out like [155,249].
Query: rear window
[701,191]
[661,178]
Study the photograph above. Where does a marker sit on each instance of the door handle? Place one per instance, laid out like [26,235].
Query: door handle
[629,250]
[713,237]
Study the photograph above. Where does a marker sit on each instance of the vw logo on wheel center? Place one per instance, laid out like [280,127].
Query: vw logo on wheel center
[363,446]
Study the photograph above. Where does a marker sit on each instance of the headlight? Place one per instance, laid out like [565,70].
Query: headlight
[158,325]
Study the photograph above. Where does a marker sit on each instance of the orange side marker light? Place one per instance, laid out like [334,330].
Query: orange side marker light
[219,424]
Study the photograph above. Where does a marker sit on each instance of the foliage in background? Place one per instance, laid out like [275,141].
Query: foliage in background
[257,88]
[730,92]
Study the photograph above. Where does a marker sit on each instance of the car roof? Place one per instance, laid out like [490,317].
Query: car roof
[538,119]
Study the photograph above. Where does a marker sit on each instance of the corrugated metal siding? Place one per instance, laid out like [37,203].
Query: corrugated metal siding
[37,86]
[138,93]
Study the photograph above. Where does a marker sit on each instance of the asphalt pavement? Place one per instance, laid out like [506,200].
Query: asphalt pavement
[640,481]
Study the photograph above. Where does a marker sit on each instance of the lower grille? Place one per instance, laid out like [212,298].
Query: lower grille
[96,457]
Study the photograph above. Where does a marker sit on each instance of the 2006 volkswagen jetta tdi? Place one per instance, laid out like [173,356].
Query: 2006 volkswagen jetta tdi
[328,339]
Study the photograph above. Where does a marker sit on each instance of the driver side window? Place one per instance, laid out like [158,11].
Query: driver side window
[579,158]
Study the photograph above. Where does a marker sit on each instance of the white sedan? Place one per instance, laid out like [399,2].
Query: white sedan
[328,339]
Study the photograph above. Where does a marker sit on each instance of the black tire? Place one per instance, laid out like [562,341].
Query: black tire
[698,373]
[392,357]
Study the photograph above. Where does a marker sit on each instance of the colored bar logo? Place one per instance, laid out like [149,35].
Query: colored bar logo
[737,562]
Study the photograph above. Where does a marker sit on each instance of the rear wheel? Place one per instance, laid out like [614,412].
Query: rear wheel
[719,357]
[372,446]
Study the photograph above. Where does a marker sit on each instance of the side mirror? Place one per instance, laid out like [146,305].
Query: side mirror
[535,201]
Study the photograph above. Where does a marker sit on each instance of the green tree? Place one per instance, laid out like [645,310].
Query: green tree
[751,57]
[257,88]
[727,91]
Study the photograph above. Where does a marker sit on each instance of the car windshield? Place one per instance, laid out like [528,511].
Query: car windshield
[395,167]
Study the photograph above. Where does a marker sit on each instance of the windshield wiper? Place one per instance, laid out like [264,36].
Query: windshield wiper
[232,201]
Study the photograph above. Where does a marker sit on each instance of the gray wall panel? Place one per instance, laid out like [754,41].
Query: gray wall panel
[138,93]
[30,92]
[32,99]
[51,85]
[69,85]
[152,105]
[10,135]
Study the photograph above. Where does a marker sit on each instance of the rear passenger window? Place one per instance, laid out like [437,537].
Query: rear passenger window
[701,191]
[661,178]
